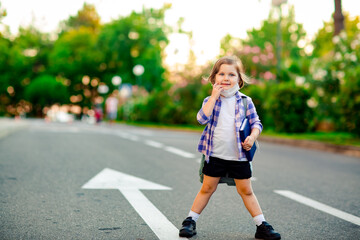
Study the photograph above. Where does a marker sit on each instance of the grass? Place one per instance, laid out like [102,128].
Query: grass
[337,138]
[179,127]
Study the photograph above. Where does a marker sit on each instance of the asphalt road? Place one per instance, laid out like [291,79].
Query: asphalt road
[44,167]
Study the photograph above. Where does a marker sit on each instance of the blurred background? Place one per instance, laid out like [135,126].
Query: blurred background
[62,61]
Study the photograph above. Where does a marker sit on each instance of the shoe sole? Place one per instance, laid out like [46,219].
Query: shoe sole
[187,234]
[274,238]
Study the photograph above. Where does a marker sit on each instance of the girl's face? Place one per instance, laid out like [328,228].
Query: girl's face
[227,76]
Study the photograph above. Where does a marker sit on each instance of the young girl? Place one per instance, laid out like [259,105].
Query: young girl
[220,142]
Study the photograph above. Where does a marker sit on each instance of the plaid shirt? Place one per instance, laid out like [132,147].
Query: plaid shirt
[206,140]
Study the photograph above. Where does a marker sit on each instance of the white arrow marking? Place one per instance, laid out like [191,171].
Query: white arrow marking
[320,206]
[130,187]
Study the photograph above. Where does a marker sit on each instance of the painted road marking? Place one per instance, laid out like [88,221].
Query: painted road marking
[154,144]
[160,225]
[319,206]
[127,136]
[132,137]
[130,187]
[179,152]
[56,129]
[142,132]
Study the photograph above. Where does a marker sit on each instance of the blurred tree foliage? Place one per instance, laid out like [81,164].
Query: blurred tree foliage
[44,91]
[290,114]
[85,55]
[335,73]
[317,80]
[74,56]
[258,50]
[22,59]
[326,67]
[136,39]
[86,17]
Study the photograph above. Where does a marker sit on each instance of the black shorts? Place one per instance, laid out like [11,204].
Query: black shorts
[225,168]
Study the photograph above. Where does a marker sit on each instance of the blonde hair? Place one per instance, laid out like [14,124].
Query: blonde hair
[229,60]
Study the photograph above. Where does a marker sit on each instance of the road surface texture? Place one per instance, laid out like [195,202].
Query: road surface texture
[80,181]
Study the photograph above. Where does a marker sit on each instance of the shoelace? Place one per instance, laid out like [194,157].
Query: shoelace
[187,222]
[269,227]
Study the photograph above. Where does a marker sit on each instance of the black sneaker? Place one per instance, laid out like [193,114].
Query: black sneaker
[188,228]
[266,231]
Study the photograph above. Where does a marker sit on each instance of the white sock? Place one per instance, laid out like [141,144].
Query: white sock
[194,215]
[259,219]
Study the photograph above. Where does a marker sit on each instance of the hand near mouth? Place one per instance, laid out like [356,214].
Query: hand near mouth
[217,89]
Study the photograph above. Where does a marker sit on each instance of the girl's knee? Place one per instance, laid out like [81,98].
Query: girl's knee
[245,191]
[206,188]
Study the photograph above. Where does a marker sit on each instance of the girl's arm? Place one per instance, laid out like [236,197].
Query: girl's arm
[255,125]
[210,104]
[250,140]
[255,132]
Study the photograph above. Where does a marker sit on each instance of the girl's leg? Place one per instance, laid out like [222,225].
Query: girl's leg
[263,229]
[243,187]
[207,189]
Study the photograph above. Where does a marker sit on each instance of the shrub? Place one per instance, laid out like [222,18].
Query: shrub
[349,103]
[257,94]
[46,90]
[288,108]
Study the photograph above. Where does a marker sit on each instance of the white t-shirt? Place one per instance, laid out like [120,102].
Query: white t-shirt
[224,138]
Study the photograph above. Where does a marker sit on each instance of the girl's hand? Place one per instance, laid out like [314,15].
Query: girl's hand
[216,91]
[248,143]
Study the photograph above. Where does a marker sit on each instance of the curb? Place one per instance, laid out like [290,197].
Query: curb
[352,151]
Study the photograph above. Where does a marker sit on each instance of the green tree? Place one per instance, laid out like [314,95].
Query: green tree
[23,58]
[324,44]
[46,90]
[86,17]
[334,72]
[5,76]
[75,55]
[136,39]
[258,50]
[290,114]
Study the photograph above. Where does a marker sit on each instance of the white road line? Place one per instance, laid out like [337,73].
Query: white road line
[154,144]
[160,225]
[128,136]
[134,138]
[56,129]
[121,134]
[142,132]
[179,152]
[319,206]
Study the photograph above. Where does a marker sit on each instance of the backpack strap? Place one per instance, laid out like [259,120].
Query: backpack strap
[245,103]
